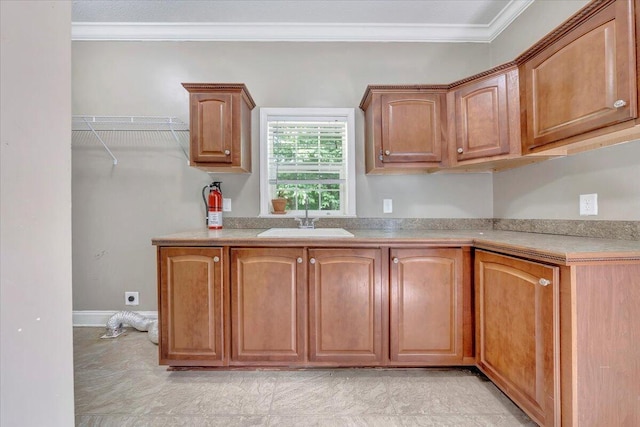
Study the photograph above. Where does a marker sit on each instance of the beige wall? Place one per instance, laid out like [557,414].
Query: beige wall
[551,190]
[36,355]
[118,209]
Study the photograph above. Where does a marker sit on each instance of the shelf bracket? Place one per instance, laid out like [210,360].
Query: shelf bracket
[88,123]
[175,137]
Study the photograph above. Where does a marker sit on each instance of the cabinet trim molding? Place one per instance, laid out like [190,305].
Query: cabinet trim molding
[215,87]
[567,26]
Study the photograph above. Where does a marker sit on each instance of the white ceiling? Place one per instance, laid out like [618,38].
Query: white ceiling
[294,20]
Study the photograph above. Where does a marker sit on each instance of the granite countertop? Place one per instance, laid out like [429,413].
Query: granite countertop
[557,249]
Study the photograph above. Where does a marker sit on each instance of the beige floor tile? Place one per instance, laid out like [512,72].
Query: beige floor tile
[118,382]
[168,421]
[456,394]
[341,395]
[236,394]
[467,421]
[102,391]
[338,421]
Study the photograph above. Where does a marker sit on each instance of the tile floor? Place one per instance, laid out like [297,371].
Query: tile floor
[118,383]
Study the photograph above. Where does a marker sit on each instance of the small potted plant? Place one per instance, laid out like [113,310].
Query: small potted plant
[279,203]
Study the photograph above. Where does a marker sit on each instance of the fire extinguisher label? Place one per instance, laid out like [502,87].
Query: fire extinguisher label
[214,220]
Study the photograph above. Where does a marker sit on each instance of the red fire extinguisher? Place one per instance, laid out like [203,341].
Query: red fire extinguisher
[213,205]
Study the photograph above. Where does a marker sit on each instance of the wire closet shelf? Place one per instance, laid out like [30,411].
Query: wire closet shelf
[98,124]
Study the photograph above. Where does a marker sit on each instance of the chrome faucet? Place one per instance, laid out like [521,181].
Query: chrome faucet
[306,222]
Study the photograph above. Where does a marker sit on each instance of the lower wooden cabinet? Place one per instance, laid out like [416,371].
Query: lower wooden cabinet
[517,311]
[426,307]
[560,340]
[346,306]
[296,306]
[191,300]
[268,306]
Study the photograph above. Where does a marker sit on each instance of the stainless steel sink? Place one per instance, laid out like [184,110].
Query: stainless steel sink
[305,232]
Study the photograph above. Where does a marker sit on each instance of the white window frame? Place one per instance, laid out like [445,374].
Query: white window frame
[268,114]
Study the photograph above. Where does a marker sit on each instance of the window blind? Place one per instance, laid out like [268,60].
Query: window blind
[307,161]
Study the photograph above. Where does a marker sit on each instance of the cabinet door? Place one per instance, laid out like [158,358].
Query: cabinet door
[411,127]
[517,313]
[190,309]
[426,306]
[584,81]
[268,311]
[482,120]
[345,306]
[211,127]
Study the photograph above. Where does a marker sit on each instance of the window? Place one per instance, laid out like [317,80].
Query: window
[307,156]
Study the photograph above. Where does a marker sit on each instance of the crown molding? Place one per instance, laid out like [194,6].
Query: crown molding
[296,32]
[277,32]
[507,16]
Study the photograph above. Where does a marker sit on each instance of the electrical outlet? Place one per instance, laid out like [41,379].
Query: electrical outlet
[387,206]
[131,298]
[226,205]
[588,204]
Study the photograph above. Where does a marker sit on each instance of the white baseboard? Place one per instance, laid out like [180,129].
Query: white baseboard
[98,318]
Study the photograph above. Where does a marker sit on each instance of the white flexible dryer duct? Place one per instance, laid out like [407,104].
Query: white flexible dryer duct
[141,323]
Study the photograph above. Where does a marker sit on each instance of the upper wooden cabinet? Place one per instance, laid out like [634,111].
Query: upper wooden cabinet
[575,90]
[484,117]
[404,128]
[582,77]
[220,126]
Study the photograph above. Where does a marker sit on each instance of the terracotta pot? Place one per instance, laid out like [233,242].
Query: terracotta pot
[279,205]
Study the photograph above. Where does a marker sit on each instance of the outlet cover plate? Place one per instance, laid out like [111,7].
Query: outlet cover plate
[387,206]
[132,298]
[588,204]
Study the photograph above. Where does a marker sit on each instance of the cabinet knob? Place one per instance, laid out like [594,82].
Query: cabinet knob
[227,152]
[299,260]
[387,152]
[216,259]
[460,151]
[619,103]
[312,261]
[544,282]
[395,260]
